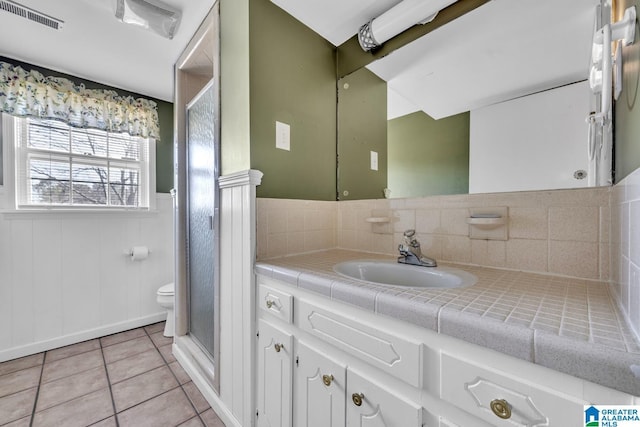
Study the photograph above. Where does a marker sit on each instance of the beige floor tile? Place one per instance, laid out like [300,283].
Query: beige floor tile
[196,398]
[122,336]
[179,372]
[21,363]
[18,405]
[72,350]
[142,387]
[169,409]
[193,422]
[68,388]
[126,349]
[19,380]
[109,422]
[156,327]
[160,340]
[71,365]
[22,422]
[211,419]
[80,412]
[134,365]
[167,353]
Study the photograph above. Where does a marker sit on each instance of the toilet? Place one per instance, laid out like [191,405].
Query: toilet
[165,298]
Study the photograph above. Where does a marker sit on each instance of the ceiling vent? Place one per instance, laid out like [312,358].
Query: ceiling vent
[30,14]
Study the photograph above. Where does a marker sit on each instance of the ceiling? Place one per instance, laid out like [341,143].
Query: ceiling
[502,50]
[94,45]
[511,47]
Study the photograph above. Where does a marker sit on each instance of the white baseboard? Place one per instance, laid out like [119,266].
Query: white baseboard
[40,346]
[220,408]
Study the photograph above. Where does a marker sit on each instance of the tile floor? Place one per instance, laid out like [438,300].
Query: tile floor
[126,379]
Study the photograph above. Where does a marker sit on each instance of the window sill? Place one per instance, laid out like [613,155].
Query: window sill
[76,213]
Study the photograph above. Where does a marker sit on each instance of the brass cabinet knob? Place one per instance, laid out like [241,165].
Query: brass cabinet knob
[501,408]
[270,303]
[327,379]
[278,347]
[357,398]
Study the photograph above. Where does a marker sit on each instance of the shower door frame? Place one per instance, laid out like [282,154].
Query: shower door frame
[188,85]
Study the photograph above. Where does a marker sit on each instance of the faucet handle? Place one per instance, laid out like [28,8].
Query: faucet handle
[410,233]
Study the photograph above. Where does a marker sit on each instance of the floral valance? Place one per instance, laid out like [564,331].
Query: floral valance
[29,93]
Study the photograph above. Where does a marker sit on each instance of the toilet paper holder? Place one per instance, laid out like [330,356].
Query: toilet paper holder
[137,253]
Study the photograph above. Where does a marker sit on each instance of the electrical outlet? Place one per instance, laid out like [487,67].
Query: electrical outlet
[374,161]
[283,136]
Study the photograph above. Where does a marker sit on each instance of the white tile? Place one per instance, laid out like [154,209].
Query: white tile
[634,297]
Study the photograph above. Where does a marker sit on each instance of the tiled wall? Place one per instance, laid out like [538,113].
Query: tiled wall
[625,246]
[287,227]
[562,232]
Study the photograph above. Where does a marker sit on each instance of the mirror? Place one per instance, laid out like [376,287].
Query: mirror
[493,101]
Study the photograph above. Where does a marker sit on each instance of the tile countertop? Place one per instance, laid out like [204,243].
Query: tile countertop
[569,325]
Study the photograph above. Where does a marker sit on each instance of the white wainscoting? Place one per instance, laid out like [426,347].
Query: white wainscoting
[65,278]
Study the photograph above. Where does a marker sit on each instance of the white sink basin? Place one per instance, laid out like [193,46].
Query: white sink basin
[393,273]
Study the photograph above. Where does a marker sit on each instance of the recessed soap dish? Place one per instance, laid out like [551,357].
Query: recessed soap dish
[378,219]
[488,223]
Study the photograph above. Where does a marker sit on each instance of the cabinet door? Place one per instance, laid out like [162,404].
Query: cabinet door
[274,376]
[319,389]
[373,405]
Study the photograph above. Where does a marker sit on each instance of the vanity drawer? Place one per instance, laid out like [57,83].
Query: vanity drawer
[387,351]
[275,302]
[487,393]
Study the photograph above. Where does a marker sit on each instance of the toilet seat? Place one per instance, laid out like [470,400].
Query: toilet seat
[167,289]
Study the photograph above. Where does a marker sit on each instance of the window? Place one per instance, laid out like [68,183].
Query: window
[61,166]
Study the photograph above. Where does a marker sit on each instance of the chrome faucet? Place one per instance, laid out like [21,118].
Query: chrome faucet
[410,252]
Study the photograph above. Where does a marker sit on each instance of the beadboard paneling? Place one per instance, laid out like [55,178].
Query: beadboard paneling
[65,277]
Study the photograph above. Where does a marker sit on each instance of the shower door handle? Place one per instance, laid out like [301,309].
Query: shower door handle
[210,222]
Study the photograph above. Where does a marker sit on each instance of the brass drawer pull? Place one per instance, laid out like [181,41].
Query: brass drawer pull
[357,398]
[270,303]
[278,347]
[501,408]
[327,379]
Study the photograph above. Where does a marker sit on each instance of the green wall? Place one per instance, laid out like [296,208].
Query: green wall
[428,157]
[235,140]
[292,80]
[627,108]
[362,128]
[164,147]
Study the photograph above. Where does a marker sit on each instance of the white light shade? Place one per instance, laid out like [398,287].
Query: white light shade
[149,14]
[397,19]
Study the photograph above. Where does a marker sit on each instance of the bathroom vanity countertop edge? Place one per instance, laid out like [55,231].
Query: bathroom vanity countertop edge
[478,314]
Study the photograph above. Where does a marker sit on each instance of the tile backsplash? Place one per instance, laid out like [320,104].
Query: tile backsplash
[591,233]
[563,232]
[287,227]
[625,247]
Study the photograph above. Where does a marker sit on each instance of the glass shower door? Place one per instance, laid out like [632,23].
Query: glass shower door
[202,217]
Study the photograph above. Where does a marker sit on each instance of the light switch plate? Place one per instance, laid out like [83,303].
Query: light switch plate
[283,136]
[374,161]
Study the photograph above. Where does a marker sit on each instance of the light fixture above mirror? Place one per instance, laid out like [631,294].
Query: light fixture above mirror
[397,19]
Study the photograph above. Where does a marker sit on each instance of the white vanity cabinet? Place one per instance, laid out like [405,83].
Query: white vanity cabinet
[324,363]
[330,393]
[274,386]
[373,405]
[320,388]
